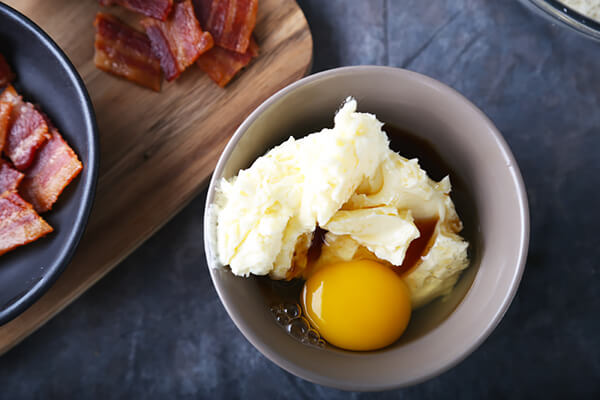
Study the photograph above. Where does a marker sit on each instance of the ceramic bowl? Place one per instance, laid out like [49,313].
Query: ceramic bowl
[491,201]
[46,77]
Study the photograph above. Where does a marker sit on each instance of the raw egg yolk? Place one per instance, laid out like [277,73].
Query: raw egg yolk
[357,305]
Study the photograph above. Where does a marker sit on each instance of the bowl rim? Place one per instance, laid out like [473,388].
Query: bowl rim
[495,319]
[88,180]
[557,11]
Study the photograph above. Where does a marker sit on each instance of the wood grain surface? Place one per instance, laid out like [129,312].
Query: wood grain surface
[157,149]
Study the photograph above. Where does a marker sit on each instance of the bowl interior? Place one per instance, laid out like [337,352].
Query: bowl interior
[487,193]
[45,77]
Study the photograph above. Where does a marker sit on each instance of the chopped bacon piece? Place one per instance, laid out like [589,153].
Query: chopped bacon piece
[19,223]
[253,48]
[55,166]
[6,74]
[231,22]
[27,132]
[222,65]
[179,41]
[158,9]
[9,177]
[10,95]
[5,112]
[125,52]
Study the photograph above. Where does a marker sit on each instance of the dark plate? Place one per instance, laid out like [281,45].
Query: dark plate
[46,77]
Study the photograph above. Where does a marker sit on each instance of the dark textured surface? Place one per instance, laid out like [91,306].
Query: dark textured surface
[154,327]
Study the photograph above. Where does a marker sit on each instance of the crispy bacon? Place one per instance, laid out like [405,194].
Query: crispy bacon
[9,177]
[222,65]
[179,41]
[19,223]
[158,9]
[6,74]
[231,22]
[55,166]
[10,95]
[125,52]
[5,112]
[27,131]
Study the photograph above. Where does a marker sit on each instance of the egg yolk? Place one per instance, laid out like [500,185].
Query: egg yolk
[357,305]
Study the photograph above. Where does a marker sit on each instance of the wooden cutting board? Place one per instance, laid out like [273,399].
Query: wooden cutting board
[157,149]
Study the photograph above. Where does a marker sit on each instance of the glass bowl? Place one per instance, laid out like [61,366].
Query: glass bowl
[558,12]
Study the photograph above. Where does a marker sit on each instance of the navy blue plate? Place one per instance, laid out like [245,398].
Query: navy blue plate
[46,77]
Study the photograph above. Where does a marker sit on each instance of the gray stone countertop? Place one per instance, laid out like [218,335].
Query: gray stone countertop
[154,327]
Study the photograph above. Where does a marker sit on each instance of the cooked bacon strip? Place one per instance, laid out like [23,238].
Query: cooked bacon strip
[222,65]
[6,74]
[158,9]
[231,22]
[28,130]
[55,166]
[179,41]
[125,52]
[19,223]
[9,177]
[5,112]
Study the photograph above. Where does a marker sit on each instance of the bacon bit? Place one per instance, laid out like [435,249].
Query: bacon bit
[158,9]
[28,130]
[179,41]
[19,223]
[10,95]
[5,112]
[55,166]
[253,48]
[9,177]
[222,65]
[125,52]
[6,74]
[231,22]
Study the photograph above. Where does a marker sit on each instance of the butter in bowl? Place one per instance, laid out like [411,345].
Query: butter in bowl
[366,228]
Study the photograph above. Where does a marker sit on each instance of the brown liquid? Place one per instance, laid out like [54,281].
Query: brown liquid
[411,146]
[418,247]
[314,251]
